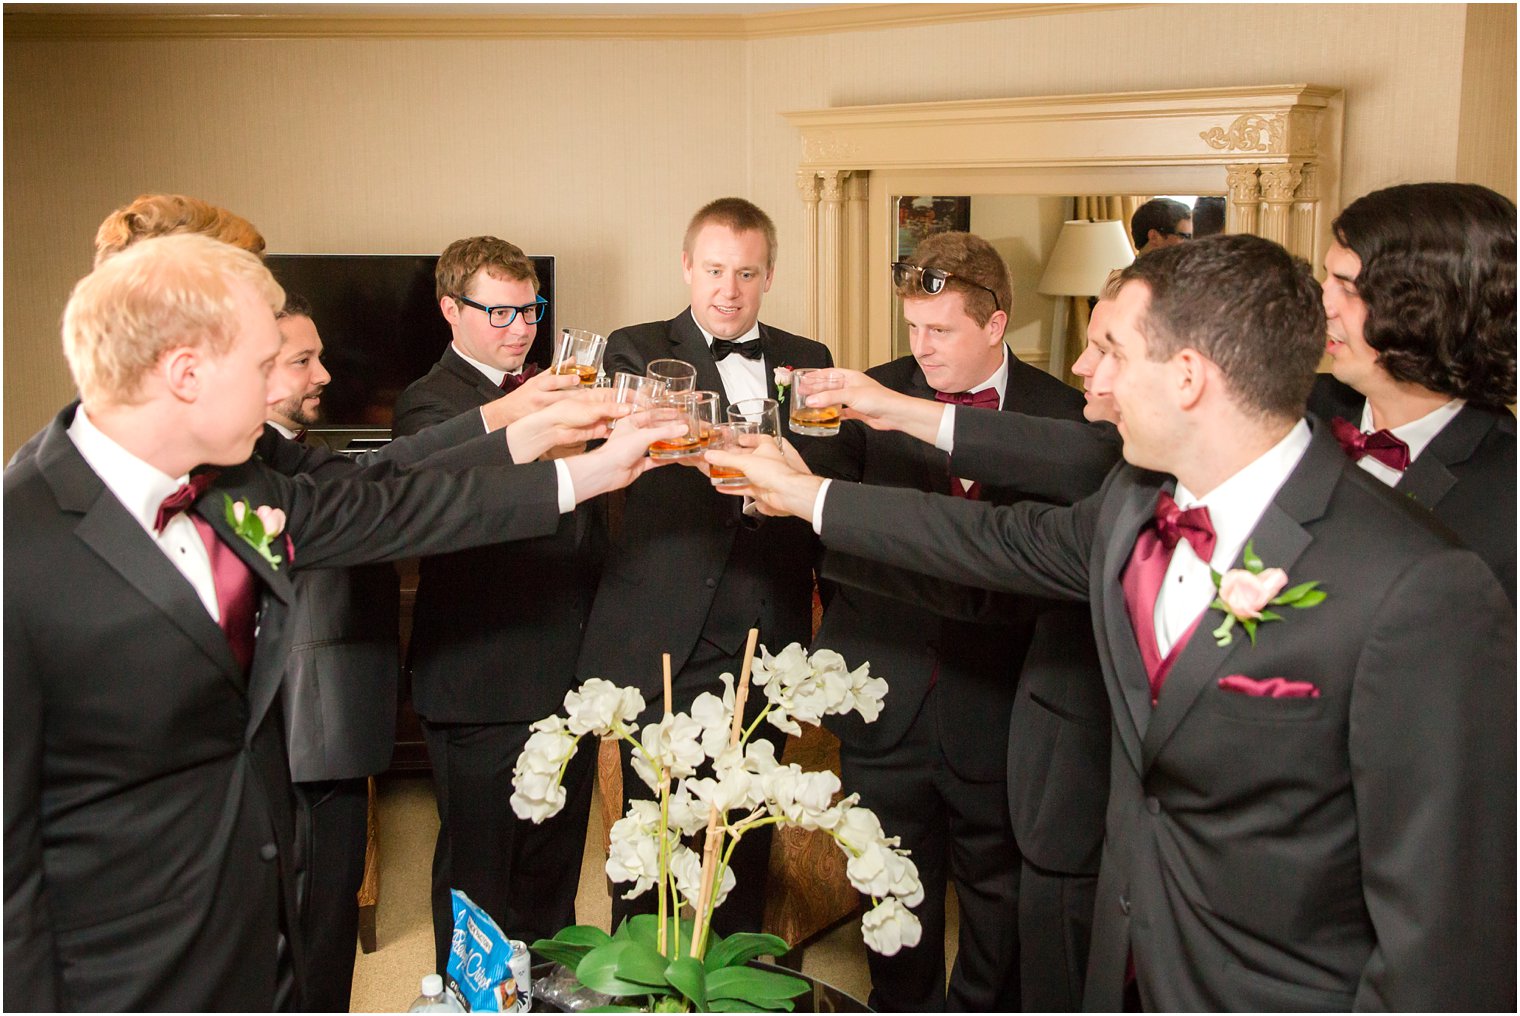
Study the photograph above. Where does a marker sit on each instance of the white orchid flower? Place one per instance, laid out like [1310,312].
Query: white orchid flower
[889,926]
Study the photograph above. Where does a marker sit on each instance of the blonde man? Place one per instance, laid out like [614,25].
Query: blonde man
[148,827]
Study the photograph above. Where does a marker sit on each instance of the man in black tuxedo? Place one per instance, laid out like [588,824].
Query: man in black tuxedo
[1057,758]
[930,766]
[1420,295]
[497,629]
[688,574]
[150,859]
[1278,836]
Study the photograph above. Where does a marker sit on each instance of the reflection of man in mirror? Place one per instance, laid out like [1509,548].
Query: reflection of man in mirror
[1208,215]
[1160,223]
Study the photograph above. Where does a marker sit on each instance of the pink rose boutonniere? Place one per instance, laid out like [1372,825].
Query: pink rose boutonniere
[1246,593]
[783,378]
[258,527]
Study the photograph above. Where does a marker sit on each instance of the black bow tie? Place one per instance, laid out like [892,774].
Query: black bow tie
[722,347]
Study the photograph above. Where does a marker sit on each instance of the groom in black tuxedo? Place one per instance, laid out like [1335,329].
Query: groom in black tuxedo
[1320,812]
[150,857]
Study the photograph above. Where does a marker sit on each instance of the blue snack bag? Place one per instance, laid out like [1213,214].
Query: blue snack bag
[480,962]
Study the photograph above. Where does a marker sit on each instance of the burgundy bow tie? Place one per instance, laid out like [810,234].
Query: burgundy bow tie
[183,497]
[1380,444]
[1194,526]
[749,350]
[510,382]
[987,398]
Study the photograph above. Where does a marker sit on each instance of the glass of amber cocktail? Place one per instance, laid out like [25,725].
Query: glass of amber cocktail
[820,422]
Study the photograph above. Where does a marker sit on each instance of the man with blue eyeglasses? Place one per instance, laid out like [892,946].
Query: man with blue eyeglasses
[497,630]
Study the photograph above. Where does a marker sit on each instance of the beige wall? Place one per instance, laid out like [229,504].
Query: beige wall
[597,150]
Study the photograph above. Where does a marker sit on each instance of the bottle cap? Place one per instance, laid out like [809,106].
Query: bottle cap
[432,984]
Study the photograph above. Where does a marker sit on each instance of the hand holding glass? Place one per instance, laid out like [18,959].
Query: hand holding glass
[580,353]
[731,437]
[766,413]
[822,421]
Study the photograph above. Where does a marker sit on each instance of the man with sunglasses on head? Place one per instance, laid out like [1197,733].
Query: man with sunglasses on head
[1160,223]
[497,630]
[933,766]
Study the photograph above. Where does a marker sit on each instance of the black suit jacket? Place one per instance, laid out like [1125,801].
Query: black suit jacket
[497,629]
[908,643]
[1354,849]
[1059,728]
[340,686]
[1466,476]
[148,820]
[685,563]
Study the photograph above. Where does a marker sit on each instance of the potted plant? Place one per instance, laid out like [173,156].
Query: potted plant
[710,775]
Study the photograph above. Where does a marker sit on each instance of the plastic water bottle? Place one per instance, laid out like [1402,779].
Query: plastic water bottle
[434,998]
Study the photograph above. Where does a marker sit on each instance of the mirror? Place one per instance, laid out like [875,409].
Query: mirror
[1023,228]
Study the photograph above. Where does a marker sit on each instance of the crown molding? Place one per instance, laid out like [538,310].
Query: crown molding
[495,21]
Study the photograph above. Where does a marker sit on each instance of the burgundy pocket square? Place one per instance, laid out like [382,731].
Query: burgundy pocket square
[1273,687]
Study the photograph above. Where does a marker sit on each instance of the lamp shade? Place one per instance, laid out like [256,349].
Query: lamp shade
[1086,252]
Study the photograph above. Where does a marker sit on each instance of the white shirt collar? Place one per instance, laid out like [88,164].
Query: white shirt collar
[998,380]
[1417,434]
[140,487]
[1237,504]
[495,374]
[284,429]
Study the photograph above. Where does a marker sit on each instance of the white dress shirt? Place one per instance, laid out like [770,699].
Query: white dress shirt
[1235,507]
[141,488]
[742,378]
[1417,434]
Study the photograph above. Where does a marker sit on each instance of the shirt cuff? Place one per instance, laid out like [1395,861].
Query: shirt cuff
[566,487]
[945,439]
[484,425]
[823,489]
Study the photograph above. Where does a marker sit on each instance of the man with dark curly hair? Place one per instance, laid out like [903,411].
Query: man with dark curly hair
[1420,299]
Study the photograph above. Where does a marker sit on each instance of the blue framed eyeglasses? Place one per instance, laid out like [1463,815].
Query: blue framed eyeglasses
[504,314]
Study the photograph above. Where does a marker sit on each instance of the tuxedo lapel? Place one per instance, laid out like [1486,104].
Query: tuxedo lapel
[456,364]
[1429,477]
[1279,539]
[264,678]
[120,542]
[1132,696]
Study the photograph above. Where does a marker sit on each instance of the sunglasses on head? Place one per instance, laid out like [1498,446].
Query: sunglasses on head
[932,280]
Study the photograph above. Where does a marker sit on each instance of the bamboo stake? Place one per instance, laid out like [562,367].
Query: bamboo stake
[664,804]
[714,827]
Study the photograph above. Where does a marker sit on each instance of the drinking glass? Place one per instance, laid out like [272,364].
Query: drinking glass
[634,390]
[579,352]
[707,405]
[820,422]
[727,437]
[764,413]
[676,375]
[670,407]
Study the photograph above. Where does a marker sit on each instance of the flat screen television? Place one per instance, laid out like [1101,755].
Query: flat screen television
[381,327]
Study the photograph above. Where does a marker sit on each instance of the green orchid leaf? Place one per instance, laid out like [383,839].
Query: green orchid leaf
[645,928]
[597,970]
[740,1005]
[1250,626]
[1248,557]
[1310,599]
[1218,578]
[643,964]
[762,987]
[253,529]
[560,952]
[231,514]
[580,934]
[688,977]
[1268,615]
[743,947]
[613,1008]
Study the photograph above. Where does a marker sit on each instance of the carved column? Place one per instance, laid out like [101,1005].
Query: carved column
[1301,218]
[853,350]
[807,186]
[1243,212]
[831,260]
[1278,185]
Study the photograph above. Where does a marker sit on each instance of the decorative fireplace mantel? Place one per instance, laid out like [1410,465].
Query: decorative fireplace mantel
[1273,150]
